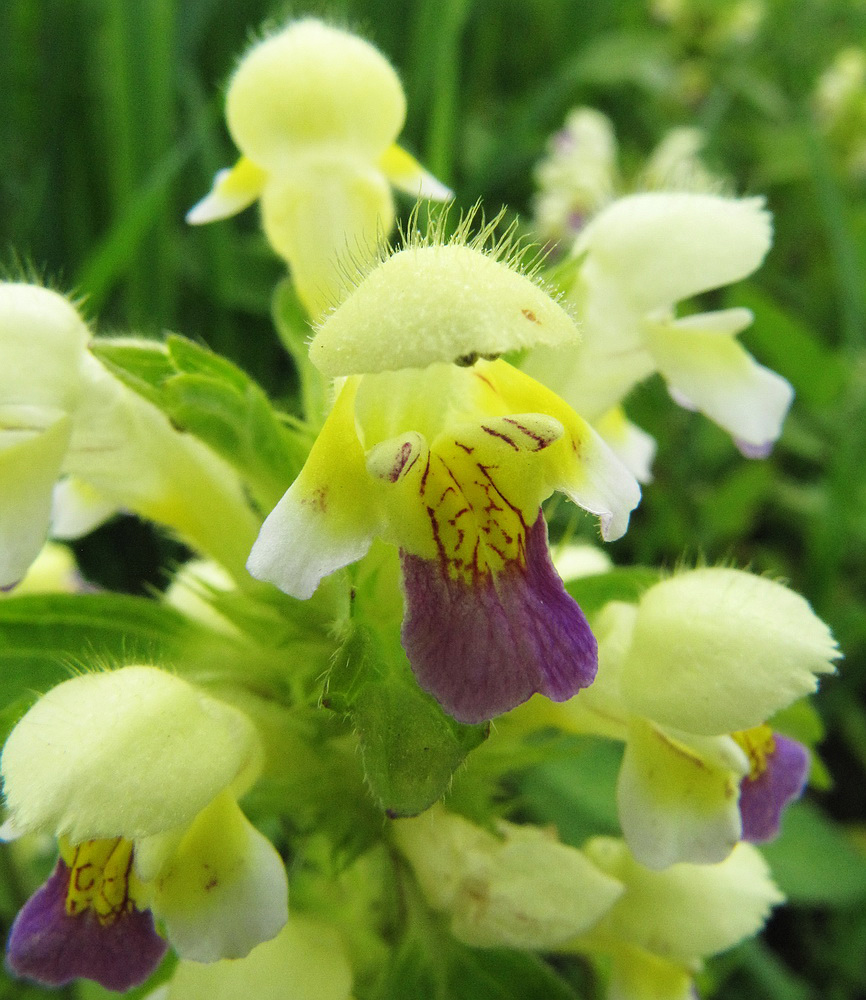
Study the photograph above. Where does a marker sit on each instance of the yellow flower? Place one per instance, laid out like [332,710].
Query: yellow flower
[137,773]
[316,112]
[450,463]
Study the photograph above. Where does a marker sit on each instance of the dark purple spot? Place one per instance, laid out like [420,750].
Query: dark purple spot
[483,647]
[52,947]
[763,799]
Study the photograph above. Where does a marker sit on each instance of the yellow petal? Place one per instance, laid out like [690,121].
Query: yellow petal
[407,175]
[704,364]
[525,890]
[580,465]
[308,954]
[33,445]
[77,509]
[321,214]
[632,446]
[686,912]
[232,191]
[661,247]
[636,974]
[328,517]
[42,341]
[678,800]
[224,890]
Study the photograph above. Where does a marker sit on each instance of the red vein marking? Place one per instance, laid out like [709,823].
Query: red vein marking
[485,471]
[79,871]
[543,442]
[502,437]
[424,475]
[448,489]
[434,524]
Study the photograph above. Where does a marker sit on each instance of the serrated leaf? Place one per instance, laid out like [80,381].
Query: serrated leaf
[240,427]
[410,973]
[356,663]
[141,365]
[430,964]
[207,395]
[190,358]
[409,747]
[621,584]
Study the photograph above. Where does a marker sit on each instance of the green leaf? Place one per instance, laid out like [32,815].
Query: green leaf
[45,637]
[141,365]
[429,963]
[814,863]
[499,974]
[409,747]
[206,395]
[621,584]
[190,358]
[219,403]
[410,973]
[577,793]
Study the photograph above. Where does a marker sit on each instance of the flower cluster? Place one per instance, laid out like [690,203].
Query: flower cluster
[310,702]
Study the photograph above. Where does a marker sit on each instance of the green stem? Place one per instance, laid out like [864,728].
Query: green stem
[439,36]
[850,283]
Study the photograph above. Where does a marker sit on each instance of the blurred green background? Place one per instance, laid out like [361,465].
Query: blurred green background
[112,129]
